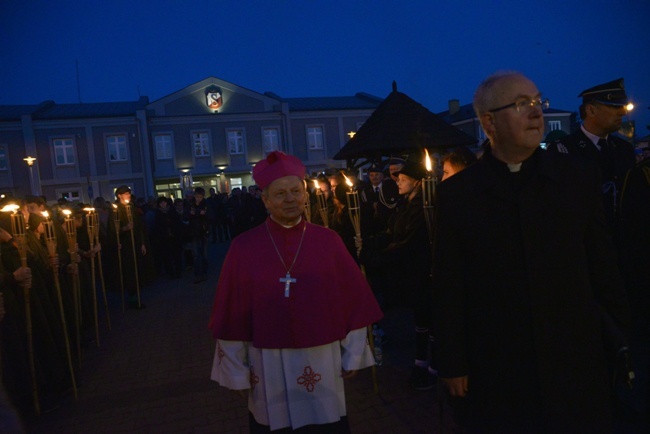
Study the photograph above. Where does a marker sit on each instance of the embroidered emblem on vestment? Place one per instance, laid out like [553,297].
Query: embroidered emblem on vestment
[309,378]
[220,352]
[254,379]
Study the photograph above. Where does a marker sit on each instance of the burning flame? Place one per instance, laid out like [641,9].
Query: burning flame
[347,180]
[89,209]
[45,214]
[67,212]
[427,160]
[12,207]
[114,206]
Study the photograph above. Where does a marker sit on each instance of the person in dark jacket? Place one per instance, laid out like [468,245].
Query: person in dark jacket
[527,289]
[406,251]
[198,227]
[168,230]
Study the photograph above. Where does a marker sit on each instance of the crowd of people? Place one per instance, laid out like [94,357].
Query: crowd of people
[520,276]
[55,299]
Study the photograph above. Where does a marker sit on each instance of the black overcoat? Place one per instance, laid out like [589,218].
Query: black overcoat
[523,273]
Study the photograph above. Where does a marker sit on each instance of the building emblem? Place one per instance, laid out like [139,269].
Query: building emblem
[213,97]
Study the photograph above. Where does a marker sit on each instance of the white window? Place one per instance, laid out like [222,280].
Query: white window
[116,148]
[235,183]
[3,157]
[63,151]
[70,196]
[554,125]
[315,138]
[201,144]
[163,146]
[236,142]
[270,137]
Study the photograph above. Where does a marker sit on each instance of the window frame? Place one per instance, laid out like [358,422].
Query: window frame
[4,158]
[206,151]
[242,136]
[315,146]
[71,147]
[120,158]
[171,146]
[274,146]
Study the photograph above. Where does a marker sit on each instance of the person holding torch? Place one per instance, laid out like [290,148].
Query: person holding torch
[131,243]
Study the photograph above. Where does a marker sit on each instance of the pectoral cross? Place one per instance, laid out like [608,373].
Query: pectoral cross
[287,280]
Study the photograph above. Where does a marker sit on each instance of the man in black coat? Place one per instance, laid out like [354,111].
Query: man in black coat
[524,278]
[602,111]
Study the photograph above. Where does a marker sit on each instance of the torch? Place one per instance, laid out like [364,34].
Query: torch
[322,204]
[428,191]
[116,220]
[91,229]
[101,267]
[129,216]
[71,235]
[18,233]
[50,241]
[354,209]
[307,206]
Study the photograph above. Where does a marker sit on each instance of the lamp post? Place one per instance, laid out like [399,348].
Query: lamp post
[35,186]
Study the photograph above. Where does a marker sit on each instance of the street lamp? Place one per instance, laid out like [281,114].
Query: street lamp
[34,183]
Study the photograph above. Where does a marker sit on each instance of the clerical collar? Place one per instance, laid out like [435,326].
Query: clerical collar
[594,138]
[514,167]
[287,226]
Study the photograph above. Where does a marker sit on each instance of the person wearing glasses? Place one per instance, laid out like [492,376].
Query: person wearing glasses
[524,278]
[602,110]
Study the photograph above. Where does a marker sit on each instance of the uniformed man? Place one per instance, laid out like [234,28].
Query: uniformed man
[602,111]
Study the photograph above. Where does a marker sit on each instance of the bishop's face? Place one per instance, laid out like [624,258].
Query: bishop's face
[284,199]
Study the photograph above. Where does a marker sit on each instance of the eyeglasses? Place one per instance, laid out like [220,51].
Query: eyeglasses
[524,104]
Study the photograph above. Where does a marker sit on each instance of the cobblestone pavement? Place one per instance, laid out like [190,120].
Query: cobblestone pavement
[151,372]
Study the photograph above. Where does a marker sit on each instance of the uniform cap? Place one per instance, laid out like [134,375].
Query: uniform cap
[122,189]
[413,169]
[611,93]
[277,165]
[374,168]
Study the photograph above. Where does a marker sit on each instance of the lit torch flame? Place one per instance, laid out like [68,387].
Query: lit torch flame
[427,161]
[347,180]
[12,207]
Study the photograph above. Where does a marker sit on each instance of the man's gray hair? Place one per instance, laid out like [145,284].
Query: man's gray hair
[484,95]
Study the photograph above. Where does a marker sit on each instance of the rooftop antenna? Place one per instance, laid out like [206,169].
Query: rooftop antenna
[78,84]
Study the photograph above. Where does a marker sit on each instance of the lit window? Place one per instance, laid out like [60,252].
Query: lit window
[236,142]
[315,138]
[271,140]
[3,157]
[163,146]
[116,148]
[63,151]
[201,144]
[71,196]
[554,125]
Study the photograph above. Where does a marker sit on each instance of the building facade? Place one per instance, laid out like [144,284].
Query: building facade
[208,134]
[556,122]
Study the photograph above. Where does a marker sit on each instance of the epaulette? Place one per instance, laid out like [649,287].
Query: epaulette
[561,148]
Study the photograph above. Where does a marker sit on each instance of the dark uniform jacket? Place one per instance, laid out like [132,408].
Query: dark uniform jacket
[524,274]
[614,165]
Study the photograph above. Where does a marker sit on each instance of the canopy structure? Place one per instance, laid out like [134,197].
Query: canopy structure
[398,126]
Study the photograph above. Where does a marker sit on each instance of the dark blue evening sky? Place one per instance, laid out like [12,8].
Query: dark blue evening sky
[435,50]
